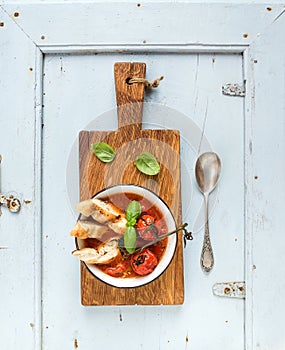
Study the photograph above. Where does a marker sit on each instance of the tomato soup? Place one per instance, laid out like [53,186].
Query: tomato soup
[150,225]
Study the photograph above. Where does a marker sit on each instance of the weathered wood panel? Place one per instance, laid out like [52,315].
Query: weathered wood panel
[77,28]
[192,86]
[19,233]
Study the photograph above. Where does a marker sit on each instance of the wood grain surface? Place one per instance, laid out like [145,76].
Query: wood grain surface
[129,141]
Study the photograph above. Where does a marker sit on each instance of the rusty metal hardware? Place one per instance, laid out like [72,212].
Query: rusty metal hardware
[230,289]
[233,89]
[12,203]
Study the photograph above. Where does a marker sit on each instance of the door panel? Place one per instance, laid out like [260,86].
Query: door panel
[78,90]
[19,236]
[268,190]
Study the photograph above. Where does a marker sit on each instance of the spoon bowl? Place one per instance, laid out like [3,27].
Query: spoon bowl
[207,172]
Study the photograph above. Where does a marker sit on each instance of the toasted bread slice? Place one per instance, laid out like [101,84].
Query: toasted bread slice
[104,254]
[99,210]
[86,208]
[87,229]
[119,226]
[104,213]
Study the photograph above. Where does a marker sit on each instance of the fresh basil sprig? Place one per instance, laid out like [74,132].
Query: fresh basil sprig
[130,239]
[147,164]
[103,152]
[132,213]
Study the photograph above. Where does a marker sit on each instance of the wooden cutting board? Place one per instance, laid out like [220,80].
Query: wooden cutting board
[129,141]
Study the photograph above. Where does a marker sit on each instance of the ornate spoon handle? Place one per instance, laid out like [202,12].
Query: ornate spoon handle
[207,256]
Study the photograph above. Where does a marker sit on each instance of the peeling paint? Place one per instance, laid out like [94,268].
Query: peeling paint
[260,220]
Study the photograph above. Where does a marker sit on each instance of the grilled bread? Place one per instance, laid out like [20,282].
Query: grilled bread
[104,254]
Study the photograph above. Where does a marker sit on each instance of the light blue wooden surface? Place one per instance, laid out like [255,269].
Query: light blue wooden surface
[198,48]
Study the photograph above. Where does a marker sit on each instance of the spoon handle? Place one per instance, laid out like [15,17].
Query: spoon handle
[207,256]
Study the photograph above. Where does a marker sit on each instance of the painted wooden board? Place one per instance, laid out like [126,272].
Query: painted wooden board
[129,141]
[20,238]
[266,190]
[87,83]
[153,23]
[39,289]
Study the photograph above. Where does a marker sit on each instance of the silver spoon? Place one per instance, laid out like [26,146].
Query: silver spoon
[207,171]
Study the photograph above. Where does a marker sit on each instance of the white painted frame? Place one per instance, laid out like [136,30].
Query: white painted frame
[221,28]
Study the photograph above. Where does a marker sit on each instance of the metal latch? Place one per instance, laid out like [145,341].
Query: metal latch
[230,289]
[233,89]
[12,203]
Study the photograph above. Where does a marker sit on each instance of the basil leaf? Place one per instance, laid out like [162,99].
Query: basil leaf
[131,223]
[103,151]
[147,164]
[133,212]
[130,239]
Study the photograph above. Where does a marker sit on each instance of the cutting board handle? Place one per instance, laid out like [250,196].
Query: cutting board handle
[129,97]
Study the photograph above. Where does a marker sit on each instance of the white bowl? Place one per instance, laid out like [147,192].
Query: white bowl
[133,282]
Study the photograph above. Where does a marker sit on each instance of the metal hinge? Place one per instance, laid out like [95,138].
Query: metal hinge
[234,89]
[230,289]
